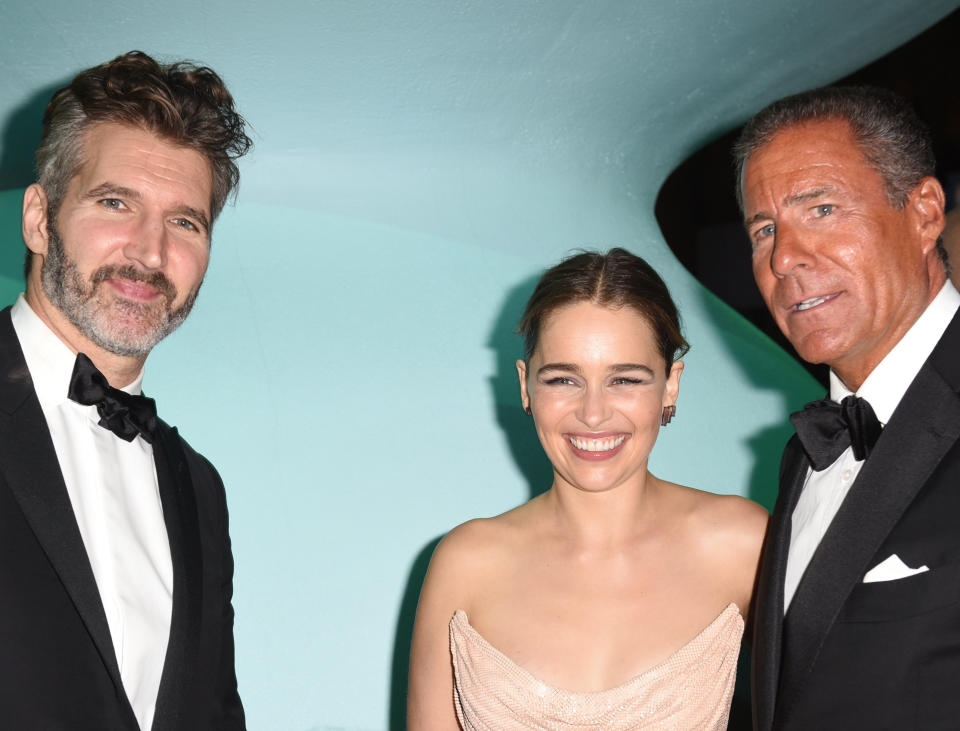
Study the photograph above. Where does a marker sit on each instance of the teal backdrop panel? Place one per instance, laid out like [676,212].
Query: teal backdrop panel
[349,364]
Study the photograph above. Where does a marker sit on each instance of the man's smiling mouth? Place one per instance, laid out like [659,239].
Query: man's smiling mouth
[808,304]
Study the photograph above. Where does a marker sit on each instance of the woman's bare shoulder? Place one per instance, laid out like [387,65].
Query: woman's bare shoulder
[722,517]
[724,534]
[467,561]
[478,542]
[732,512]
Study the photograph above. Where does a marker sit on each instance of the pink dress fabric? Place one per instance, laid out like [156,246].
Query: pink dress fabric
[691,689]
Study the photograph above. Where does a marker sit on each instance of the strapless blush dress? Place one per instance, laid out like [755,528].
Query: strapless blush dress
[690,690]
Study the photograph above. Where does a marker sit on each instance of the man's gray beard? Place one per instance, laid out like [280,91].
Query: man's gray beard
[96,320]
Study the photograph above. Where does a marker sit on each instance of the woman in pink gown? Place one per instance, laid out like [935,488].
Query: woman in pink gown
[614,600]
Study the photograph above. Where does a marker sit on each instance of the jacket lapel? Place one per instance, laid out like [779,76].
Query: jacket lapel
[30,468]
[180,516]
[768,605]
[924,427]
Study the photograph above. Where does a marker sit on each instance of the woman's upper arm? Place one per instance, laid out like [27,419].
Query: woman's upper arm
[430,704]
[752,529]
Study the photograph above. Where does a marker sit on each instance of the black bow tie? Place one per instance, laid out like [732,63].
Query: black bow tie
[120,412]
[826,429]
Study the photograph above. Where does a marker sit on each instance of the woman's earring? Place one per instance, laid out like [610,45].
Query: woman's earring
[528,409]
[668,413]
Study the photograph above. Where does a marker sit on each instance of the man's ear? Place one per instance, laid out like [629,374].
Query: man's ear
[35,210]
[927,202]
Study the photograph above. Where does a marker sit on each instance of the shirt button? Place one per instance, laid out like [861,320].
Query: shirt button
[846,475]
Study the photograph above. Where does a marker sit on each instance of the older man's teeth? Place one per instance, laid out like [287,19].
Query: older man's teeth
[597,445]
[812,302]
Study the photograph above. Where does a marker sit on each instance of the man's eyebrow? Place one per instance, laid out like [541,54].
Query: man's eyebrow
[793,199]
[756,218]
[806,196]
[112,189]
[106,190]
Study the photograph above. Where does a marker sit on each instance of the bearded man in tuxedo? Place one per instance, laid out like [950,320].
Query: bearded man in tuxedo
[857,614]
[116,571]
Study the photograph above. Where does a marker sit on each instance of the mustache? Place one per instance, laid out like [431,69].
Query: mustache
[157,280]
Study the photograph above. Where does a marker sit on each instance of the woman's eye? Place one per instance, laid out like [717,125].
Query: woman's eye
[627,381]
[824,210]
[559,381]
[113,203]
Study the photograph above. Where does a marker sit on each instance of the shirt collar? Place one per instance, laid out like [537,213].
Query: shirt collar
[887,383]
[48,358]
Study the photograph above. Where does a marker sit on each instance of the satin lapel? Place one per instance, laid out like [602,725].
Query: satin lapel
[30,467]
[180,515]
[768,605]
[922,429]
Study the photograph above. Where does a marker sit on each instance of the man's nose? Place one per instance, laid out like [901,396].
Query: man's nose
[147,244]
[791,249]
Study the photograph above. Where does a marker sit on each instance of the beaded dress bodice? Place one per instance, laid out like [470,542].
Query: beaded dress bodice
[691,689]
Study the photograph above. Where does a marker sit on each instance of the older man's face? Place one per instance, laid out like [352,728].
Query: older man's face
[129,247]
[843,272]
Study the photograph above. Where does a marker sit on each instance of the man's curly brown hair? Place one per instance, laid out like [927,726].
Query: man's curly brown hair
[181,103]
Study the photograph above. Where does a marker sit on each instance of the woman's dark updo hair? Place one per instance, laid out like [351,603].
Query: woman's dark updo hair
[615,279]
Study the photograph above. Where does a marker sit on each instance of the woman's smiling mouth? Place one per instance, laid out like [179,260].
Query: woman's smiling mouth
[595,448]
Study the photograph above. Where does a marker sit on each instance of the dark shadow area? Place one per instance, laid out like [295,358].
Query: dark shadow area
[740,712]
[12,249]
[400,666]
[517,426]
[697,209]
[20,135]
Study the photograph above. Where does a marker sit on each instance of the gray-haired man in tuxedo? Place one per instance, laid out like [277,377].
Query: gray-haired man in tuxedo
[857,608]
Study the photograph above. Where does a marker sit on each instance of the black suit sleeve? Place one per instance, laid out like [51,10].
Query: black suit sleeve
[231,714]
[227,712]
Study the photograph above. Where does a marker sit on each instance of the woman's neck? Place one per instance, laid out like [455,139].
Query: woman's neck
[603,521]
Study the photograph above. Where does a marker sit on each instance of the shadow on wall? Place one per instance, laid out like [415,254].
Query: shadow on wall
[21,135]
[776,371]
[11,245]
[517,425]
[400,667]
[521,437]
[19,138]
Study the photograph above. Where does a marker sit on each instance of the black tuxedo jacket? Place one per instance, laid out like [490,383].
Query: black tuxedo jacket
[883,655]
[58,669]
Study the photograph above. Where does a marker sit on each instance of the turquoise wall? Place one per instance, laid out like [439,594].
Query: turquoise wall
[349,364]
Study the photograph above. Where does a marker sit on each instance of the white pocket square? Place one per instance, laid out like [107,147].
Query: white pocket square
[891,569]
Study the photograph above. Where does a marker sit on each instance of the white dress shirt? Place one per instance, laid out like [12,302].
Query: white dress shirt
[113,489]
[824,491]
